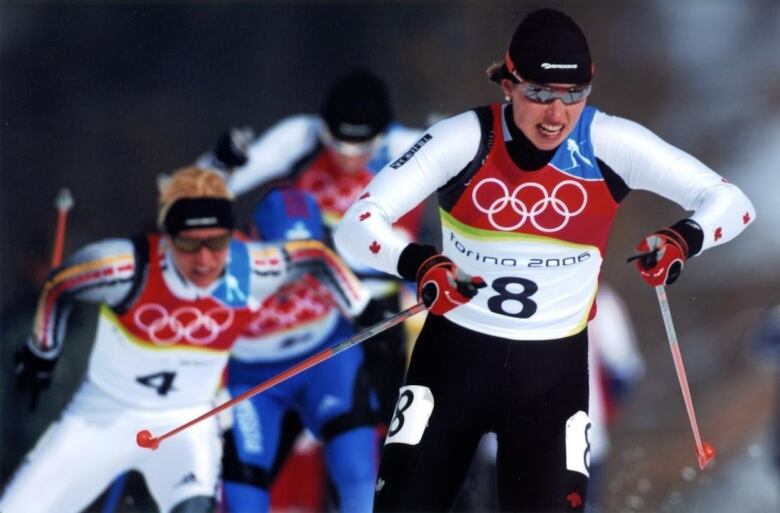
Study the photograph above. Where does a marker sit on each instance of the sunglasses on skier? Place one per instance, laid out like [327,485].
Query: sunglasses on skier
[349,149]
[545,94]
[190,245]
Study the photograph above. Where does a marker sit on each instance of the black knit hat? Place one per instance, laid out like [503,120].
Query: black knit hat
[357,107]
[548,47]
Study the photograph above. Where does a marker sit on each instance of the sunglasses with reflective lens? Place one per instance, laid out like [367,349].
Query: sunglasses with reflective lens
[349,149]
[190,245]
[539,93]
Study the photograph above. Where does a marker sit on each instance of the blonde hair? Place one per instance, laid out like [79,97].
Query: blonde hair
[189,182]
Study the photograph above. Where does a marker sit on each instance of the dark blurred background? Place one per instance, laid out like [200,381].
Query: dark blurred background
[101,97]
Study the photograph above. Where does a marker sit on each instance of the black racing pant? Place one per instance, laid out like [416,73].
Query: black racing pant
[524,391]
[385,356]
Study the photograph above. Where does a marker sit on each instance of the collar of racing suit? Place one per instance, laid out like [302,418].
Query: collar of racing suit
[522,151]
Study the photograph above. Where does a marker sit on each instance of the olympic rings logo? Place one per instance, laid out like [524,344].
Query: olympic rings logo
[288,308]
[186,323]
[519,207]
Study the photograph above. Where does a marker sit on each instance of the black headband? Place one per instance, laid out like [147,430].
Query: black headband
[193,213]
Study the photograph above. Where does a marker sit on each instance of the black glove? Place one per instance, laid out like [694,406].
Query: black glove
[33,373]
[231,148]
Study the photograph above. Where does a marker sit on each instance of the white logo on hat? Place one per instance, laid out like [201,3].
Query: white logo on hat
[200,221]
[547,65]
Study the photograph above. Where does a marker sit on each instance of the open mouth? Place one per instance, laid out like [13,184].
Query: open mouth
[199,274]
[549,130]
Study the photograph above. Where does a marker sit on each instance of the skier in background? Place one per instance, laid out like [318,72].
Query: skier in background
[332,155]
[615,366]
[333,399]
[764,340]
[172,305]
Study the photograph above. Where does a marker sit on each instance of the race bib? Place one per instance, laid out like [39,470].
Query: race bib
[577,444]
[414,408]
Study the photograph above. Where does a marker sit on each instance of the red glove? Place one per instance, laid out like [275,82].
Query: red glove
[442,286]
[660,257]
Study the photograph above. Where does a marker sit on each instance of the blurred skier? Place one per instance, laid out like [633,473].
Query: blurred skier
[333,155]
[172,306]
[765,343]
[333,399]
[615,366]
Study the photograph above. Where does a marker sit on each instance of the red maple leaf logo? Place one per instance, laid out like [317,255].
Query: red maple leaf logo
[718,233]
[575,499]
[365,215]
[374,247]
[746,218]
[364,196]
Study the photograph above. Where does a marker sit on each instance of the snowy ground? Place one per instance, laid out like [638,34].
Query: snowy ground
[652,467]
[747,483]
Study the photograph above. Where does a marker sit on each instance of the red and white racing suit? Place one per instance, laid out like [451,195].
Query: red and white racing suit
[513,360]
[160,349]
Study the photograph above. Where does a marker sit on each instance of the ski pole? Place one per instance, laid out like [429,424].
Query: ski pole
[704,451]
[63,202]
[145,439]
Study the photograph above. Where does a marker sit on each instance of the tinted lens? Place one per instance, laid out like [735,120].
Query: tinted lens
[217,243]
[577,94]
[188,245]
[540,94]
[352,149]
[349,149]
